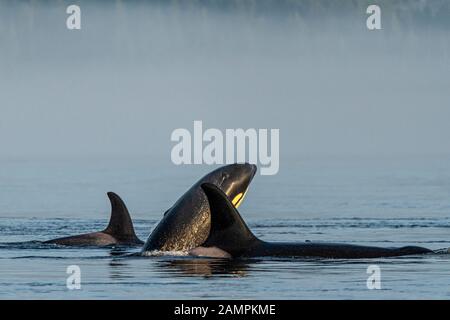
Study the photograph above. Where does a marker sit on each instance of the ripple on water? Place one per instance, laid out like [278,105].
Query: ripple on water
[32,269]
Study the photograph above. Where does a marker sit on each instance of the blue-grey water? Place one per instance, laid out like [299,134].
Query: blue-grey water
[383,201]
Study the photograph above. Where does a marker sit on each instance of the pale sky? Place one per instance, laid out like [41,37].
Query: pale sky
[134,73]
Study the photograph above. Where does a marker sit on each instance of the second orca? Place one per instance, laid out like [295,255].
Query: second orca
[120,230]
[230,237]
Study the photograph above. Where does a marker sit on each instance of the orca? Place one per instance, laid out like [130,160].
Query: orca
[120,230]
[186,224]
[229,234]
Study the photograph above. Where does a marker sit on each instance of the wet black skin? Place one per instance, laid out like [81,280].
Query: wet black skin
[120,230]
[230,233]
[186,224]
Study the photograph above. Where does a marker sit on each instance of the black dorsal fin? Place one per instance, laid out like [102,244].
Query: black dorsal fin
[229,231]
[120,225]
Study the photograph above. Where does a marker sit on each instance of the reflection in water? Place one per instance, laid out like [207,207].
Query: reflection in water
[119,270]
[119,267]
[119,251]
[207,267]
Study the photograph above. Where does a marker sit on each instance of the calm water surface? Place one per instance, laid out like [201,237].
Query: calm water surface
[385,202]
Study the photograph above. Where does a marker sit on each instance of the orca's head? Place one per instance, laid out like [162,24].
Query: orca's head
[233,180]
[186,224]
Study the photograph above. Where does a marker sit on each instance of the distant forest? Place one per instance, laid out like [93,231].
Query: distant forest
[155,27]
[404,12]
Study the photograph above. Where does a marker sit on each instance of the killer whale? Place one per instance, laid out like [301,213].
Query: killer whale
[120,229]
[229,234]
[186,224]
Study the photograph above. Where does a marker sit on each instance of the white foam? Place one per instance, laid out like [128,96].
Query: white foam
[443,251]
[158,253]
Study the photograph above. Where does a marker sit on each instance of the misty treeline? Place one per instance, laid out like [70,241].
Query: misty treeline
[140,28]
[397,13]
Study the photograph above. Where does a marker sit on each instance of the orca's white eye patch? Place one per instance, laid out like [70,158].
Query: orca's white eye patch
[238,199]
